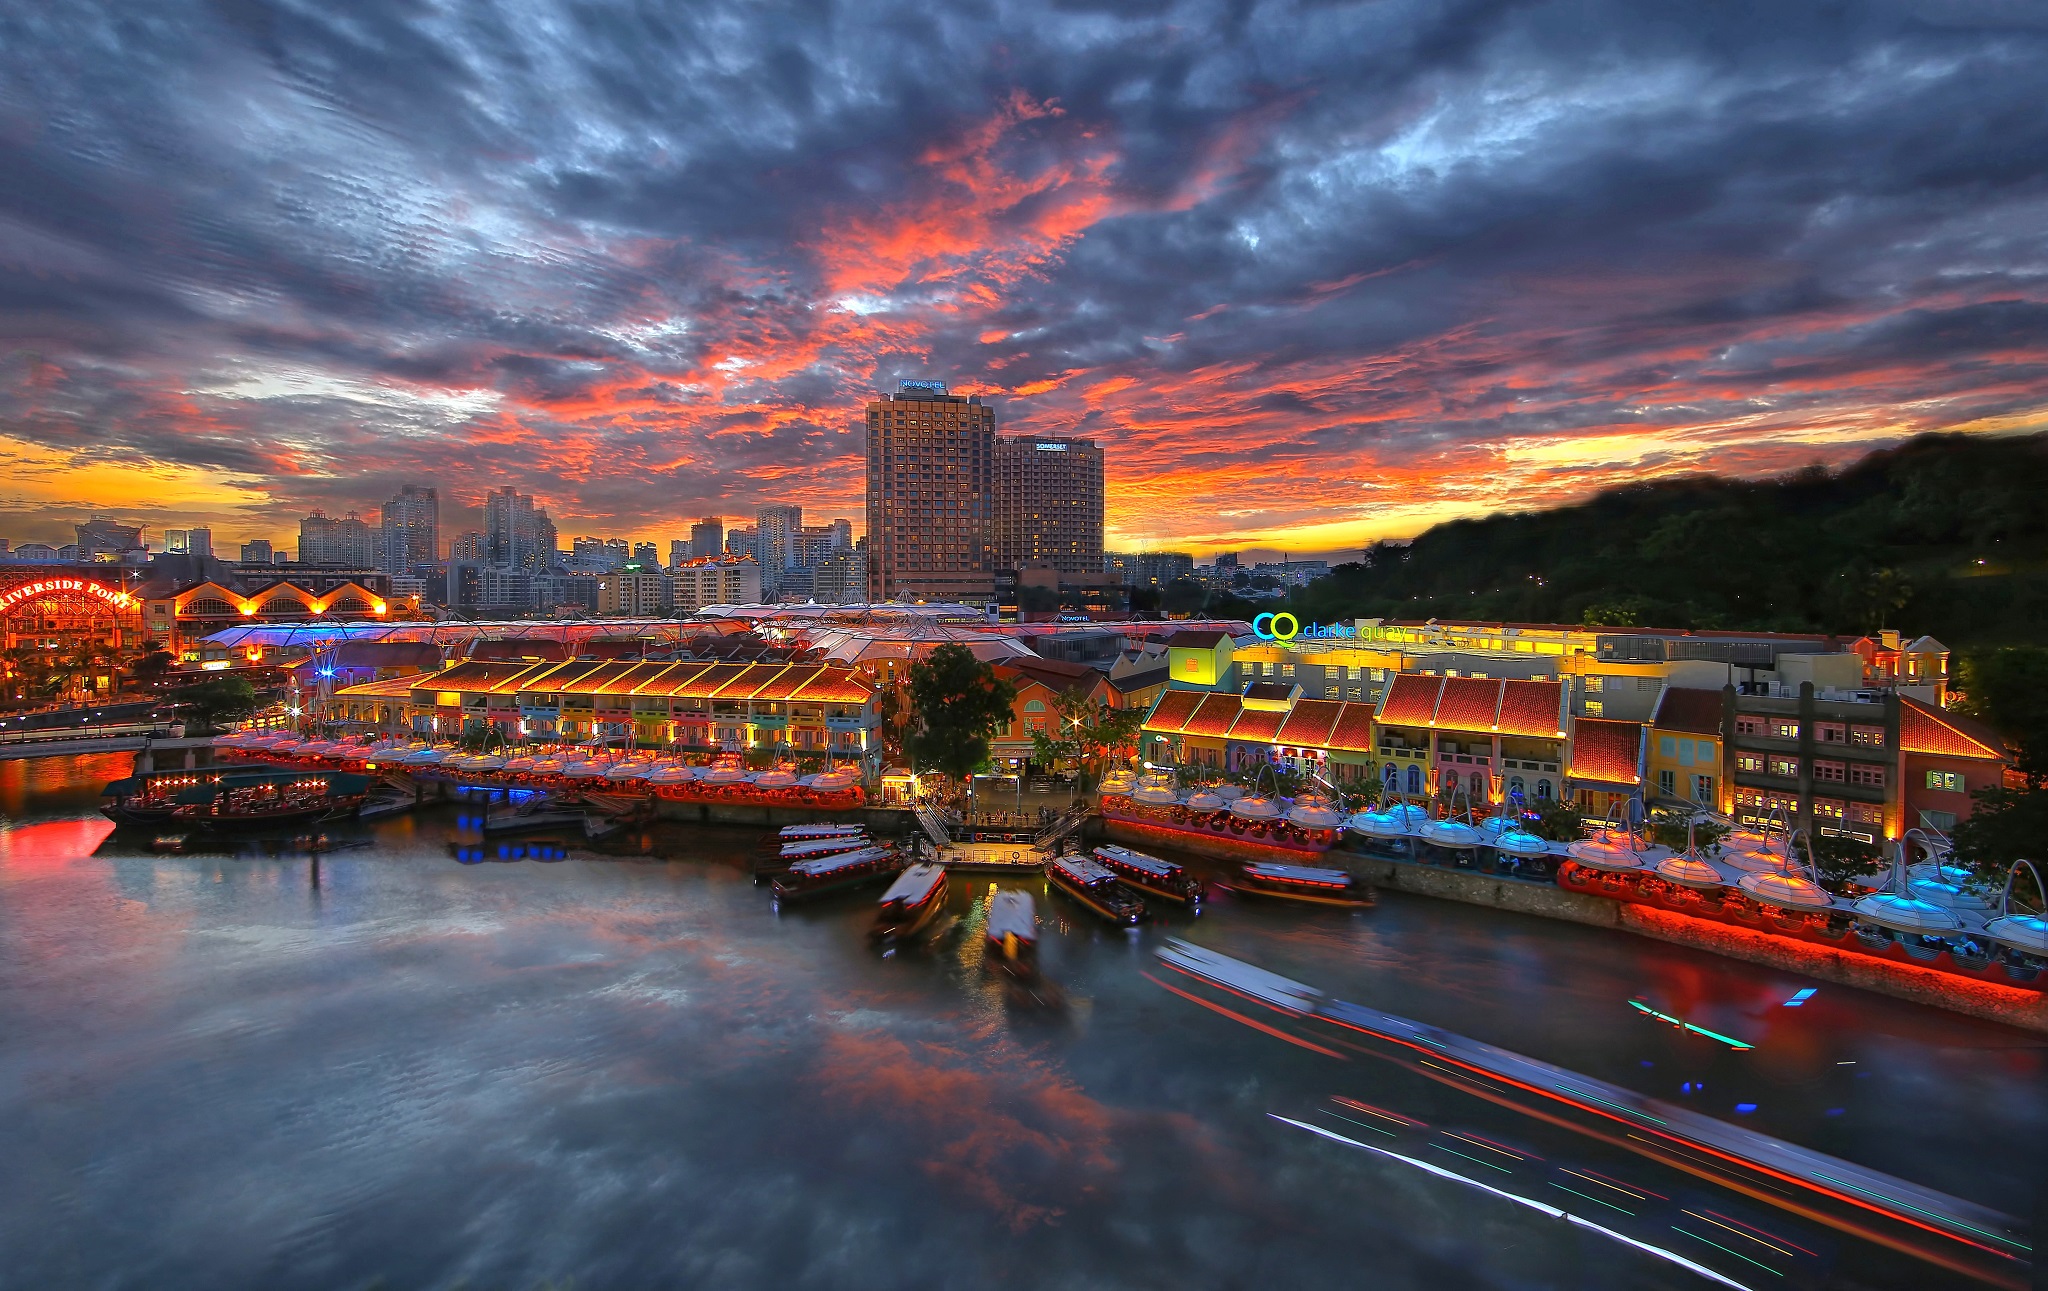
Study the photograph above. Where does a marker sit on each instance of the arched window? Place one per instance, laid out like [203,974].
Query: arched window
[353,605]
[1543,790]
[1516,787]
[1479,786]
[1033,706]
[1414,778]
[1390,775]
[210,606]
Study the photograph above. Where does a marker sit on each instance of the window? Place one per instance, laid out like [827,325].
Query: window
[1594,685]
[1829,771]
[1667,783]
[1787,767]
[1749,762]
[1516,789]
[1946,781]
[1703,789]
[1543,790]
[1414,778]
[1391,776]
[1828,811]
[1749,726]
[1867,737]
[1941,820]
[1593,708]
[1287,670]
[1356,693]
[1867,775]
[1646,683]
[1866,813]
[1831,732]
[1667,746]
[1784,728]
[1351,674]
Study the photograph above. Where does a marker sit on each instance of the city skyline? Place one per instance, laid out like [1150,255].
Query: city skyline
[1363,273]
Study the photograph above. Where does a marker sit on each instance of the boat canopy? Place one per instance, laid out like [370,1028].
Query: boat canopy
[1011,913]
[2028,932]
[914,884]
[1786,891]
[1906,914]
[1690,872]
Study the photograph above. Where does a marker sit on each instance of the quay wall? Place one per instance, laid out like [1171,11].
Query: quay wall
[1988,1000]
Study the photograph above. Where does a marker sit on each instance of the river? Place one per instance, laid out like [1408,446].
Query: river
[631,1071]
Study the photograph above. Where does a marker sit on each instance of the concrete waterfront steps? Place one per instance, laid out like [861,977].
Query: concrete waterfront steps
[2010,1005]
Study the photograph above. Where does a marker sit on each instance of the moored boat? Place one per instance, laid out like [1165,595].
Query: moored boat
[1151,875]
[1094,885]
[1304,883]
[819,829]
[262,799]
[911,903]
[807,879]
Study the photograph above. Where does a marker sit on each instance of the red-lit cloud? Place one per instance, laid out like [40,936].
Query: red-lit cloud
[1315,279]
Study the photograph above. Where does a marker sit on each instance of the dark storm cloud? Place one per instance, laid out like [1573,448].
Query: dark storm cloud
[647,259]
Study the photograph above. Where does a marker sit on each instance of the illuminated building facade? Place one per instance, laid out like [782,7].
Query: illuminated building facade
[178,618]
[62,608]
[410,530]
[1048,504]
[930,472]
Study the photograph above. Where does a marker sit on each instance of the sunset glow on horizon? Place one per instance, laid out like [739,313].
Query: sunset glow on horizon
[1335,277]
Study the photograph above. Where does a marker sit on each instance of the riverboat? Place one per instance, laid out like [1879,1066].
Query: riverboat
[1094,885]
[827,874]
[246,800]
[1304,883]
[911,903]
[150,798]
[1150,875]
[1012,933]
[787,854]
[819,830]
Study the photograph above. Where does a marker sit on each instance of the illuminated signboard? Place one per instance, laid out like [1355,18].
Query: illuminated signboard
[920,387]
[1267,627]
[47,587]
[1051,448]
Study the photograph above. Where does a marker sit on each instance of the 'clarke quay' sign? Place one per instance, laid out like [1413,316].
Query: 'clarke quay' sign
[1285,627]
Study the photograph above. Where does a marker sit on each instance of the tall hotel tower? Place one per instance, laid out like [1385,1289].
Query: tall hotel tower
[931,465]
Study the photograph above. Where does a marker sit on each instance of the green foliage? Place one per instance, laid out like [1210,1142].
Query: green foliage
[958,702]
[2008,689]
[1558,823]
[2005,826]
[151,666]
[1668,827]
[760,757]
[1946,532]
[1083,735]
[216,700]
[1842,861]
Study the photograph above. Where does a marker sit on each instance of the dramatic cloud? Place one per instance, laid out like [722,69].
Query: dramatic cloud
[1315,272]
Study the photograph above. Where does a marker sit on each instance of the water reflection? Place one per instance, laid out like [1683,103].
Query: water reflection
[630,1071]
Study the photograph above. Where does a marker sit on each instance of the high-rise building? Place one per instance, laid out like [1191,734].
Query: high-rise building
[841,532]
[778,543]
[716,581]
[931,462]
[636,593]
[411,530]
[101,539]
[707,538]
[343,543]
[740,543]
[257,551]
[840,578]
[517,534]
[1048,504]
[467,545]
[646,555]
[678,551]
[188,542]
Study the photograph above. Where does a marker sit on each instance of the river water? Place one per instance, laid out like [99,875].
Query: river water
[632,1071]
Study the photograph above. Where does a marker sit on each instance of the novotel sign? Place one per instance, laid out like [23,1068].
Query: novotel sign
[1285,627]
[45,587]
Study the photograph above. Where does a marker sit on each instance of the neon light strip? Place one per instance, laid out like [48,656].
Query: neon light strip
[1681,1022]
[1530,1202]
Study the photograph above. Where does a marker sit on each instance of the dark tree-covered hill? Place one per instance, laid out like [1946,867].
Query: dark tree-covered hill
[1946,534]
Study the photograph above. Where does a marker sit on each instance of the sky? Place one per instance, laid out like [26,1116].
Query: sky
[1314,273]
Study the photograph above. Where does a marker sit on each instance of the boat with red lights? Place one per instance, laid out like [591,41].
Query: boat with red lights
[1012,933]
[828,874]
[246,800]
[1221,821]
[811,849]
[1150,875]
[1304,883]
[911,903]
[817,831]
[1094,885]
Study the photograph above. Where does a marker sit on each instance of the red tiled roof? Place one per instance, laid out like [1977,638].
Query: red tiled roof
[1468,704]
[675,680]
[1530,707]
[1926,729]
[473,675]
[1411,699]
[788,681]
[1214,716]
[1353,732]
[1605,751]
[1173,710]
[839,685]
[1260,724]
[1309,723]
[1694,710]
[711,679]
[743,686]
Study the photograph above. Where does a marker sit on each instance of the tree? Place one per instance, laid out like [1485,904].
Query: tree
[150,667]
[2009,690]
[1085,734]
[217,700]
[958,702]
